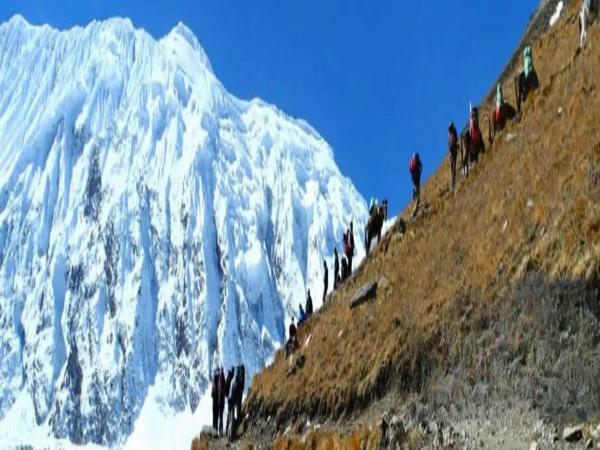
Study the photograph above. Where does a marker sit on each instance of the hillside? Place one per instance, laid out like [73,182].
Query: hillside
[489,327]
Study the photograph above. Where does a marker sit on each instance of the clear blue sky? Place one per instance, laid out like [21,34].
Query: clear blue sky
[378,79]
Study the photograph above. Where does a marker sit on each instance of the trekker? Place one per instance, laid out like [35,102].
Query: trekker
[222,394]
[301,316]
[215,400]
[325,280]
[373,206]
[475,142]
[309,305]
[344,269]
[351,240]
[234,413]
[527,81]
[292,343]
[346,248]
[416,167]
[453,150]
[336,268]
[239,393]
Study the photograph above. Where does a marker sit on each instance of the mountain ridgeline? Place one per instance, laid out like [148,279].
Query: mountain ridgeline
[152,226]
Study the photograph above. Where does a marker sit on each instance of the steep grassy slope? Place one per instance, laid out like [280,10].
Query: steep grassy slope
[493,293]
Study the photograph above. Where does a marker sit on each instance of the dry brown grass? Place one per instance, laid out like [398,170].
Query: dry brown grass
[466,246]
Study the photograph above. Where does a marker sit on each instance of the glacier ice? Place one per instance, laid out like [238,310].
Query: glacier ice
[152,226]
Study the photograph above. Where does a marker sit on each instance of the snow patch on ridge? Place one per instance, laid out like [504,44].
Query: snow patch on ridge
[554,18]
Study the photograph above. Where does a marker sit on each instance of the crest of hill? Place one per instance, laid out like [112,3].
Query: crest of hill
[485,276]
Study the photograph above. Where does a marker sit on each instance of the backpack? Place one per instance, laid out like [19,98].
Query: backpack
[414,163]
[474,127]
[346,244]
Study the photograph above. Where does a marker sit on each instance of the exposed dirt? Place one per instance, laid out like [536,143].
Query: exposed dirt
[489,329]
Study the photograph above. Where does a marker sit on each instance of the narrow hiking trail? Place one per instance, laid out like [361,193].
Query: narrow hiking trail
[487,307]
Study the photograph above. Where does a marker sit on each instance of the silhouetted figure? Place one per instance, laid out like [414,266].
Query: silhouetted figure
[309,305]
[336,268]
[325,280]
[415,168]
[453,150]
[301,315]
[345,272]
[215,400]
[292,343]
[351,239]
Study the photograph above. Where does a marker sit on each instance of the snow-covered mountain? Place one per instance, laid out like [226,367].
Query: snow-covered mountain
[152,227]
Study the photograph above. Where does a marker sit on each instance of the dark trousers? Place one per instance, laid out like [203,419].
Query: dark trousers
[416,179]
[324,293]
[526,84]
[215,416]
[453,156]
[221,410]
[230,418]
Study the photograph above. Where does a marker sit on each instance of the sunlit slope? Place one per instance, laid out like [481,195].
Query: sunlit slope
[531,207]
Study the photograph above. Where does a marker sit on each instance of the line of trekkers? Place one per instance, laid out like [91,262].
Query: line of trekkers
[471,145]
[228,388]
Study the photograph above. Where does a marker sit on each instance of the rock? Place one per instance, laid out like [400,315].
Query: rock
[365,293]
[384,283]
[505,226]
[399,226]
[589,443]
[534,446]
[572,434]
[529,203]
[510,137]
[307,341]
[559,111]
[209,431]
[397,433]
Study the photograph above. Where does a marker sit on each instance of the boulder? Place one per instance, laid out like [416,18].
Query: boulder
[367,292]
[534,446]
[383,283]
[209,431]
[573,434]
[307,341]
[589,443]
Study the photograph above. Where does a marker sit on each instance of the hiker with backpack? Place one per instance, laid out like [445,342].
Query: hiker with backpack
[234,402]
[416,168]
[301,315]
[292,343]
[309,305]
[344,269]
[502,112]
[527,81]
[325,280]
[453,150]
[348,241]
[336,268]
[239,393]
